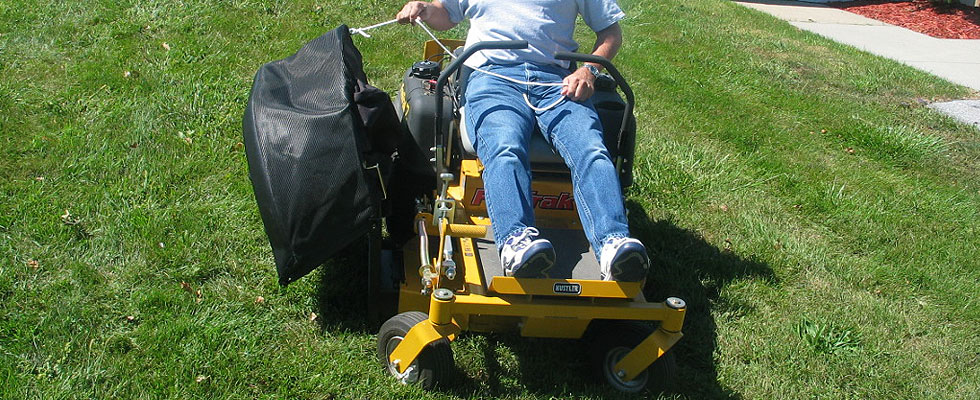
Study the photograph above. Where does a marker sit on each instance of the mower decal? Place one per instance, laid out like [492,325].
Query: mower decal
[404,97]
[562,201]
[568,288]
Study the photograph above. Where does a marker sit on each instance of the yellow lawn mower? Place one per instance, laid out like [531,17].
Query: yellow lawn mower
[453,280]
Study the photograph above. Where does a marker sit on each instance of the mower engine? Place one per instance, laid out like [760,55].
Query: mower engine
[417,111]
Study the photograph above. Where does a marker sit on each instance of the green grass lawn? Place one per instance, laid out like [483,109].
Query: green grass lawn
[821,223]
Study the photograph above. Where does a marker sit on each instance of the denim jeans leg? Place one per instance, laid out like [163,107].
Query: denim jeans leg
[574,130]
[500,125]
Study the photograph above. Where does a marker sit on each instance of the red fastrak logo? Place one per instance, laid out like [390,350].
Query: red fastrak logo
[562,201]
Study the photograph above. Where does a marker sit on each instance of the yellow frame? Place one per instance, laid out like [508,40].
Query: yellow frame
[530,304]
[529,301]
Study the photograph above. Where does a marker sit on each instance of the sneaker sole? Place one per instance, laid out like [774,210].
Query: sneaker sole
[631,267]
[537,266]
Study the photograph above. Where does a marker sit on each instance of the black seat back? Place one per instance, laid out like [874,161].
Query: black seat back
[544,159]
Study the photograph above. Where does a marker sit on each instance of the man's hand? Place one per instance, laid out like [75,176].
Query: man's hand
[433,14]
[579,85]
[413,10]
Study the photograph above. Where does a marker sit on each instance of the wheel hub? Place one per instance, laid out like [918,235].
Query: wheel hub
[411,374]
[615,377]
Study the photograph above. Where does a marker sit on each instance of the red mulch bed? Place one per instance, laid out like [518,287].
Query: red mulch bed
[941,20]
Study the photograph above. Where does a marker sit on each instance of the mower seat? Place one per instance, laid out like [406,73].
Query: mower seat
[543,157]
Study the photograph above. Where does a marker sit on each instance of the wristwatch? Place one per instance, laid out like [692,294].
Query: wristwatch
[593,70]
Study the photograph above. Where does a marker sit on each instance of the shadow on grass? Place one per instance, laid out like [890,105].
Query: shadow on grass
[685,266]
[347,296]
[505,364]
[339,305]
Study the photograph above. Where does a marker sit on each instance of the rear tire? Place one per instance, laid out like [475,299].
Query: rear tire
[433,365]
[612,340]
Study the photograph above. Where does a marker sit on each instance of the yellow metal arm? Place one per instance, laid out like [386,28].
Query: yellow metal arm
[439,325]
[655,345]
[646,353]
[559,308]
[421,335]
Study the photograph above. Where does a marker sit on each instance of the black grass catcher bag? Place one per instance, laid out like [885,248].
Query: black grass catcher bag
[319,141]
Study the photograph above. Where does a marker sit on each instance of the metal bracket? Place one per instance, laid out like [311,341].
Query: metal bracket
[421,335]
[645,354]
[381,181]
[444,205]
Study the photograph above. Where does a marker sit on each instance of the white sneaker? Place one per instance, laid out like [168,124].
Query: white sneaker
[523,256]
[623,259]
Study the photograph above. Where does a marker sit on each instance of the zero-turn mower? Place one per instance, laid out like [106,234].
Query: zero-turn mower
[453,280]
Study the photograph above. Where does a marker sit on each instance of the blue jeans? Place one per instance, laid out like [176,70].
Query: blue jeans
[500,125]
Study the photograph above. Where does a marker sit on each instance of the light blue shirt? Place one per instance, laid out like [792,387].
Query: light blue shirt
[547,25]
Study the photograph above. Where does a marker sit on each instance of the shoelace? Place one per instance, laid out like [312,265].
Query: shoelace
[521,241]
[614,239]
[612,243]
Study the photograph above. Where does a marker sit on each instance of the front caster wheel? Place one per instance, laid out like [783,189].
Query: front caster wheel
[433,365]
[612,340]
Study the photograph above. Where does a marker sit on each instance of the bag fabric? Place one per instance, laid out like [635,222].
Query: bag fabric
[318,139]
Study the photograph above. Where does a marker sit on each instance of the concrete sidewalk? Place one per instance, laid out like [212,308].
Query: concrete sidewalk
[956,60]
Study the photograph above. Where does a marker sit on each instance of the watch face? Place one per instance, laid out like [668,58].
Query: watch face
[593,70]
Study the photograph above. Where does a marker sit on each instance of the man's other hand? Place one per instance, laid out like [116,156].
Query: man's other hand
[579,85]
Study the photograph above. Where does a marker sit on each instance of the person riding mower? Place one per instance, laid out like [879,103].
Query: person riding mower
[461,283]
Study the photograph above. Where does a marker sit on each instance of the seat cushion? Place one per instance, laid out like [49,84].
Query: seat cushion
[543,156]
